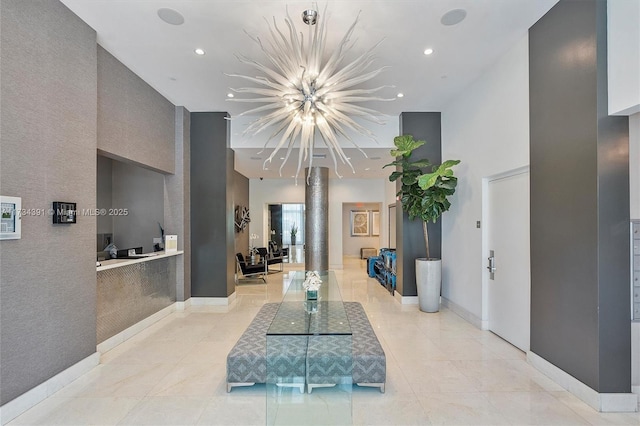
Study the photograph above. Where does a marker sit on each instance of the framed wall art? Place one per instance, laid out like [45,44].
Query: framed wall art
[10,223]
[359,223]
[375,223]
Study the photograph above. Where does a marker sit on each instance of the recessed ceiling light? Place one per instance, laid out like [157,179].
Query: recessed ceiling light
[453,17]
[368,168]
[170,16]
[282,158]
[199,52]
[229,95]
[428,51]
[400,95]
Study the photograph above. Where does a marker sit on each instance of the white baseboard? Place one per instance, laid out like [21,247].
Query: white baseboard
[465,314]
[29,399]
[183,306]
[603,402]
[212,301]
[136,328]
[405,300]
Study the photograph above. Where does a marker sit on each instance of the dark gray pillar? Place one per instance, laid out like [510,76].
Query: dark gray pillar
[580,294]
[316,224]
[409,236]
[177,202]
[212,228]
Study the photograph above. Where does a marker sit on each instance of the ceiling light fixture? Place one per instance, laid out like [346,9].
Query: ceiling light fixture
[400,95]
[230,95]
[428,51]
[307,94]
[199,52]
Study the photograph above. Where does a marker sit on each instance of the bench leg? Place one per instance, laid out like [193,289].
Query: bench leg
[327,385]
[373,385]
[231,385]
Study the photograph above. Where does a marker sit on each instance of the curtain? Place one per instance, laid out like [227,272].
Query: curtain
[292,215]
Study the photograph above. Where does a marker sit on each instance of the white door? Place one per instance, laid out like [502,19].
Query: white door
[510,284]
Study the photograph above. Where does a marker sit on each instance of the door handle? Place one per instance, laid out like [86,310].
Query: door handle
[492,263]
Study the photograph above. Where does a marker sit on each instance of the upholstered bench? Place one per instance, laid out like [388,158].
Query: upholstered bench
[367,252]
[318,360]
[247,360]
[329,361]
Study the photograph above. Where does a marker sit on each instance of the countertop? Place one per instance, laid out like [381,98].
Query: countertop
[117,263]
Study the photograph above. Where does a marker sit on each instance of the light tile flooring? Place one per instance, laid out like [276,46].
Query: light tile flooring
[440,370]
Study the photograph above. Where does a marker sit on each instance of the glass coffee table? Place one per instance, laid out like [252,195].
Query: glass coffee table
[309,357]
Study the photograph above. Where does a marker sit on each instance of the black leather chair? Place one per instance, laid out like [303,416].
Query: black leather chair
[282,252]
[271,258]
[249,271]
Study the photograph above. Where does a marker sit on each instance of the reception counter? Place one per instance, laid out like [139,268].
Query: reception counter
[117,263]
[130,290]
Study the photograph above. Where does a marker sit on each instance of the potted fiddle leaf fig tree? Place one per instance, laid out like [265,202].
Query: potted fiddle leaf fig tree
[424,193]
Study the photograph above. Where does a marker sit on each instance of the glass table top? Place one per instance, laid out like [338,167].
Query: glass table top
[299,316]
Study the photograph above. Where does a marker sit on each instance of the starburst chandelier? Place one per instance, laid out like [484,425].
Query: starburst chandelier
[307,96]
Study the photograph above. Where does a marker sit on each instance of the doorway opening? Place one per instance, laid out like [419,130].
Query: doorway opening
[286,228]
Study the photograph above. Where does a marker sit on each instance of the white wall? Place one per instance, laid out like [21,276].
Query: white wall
[487,128]
[351,245]
[623,55]
[265,192]
[634,165]
[634,188]
[271,191]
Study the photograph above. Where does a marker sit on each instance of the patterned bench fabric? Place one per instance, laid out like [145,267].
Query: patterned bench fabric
[328,357]
[286,359]
[321,359]
[246,362]
[369,361]
[329,360]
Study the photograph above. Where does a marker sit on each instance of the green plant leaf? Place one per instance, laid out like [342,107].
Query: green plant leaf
[450,163]
[405,144]
[394,176]
[422,195]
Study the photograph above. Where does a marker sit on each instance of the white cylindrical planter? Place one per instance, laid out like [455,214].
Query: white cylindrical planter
[428,283]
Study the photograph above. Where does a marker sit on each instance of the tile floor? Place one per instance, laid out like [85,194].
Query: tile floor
[440,370]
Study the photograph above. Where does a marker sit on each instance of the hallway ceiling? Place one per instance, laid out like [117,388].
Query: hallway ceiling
[163,54]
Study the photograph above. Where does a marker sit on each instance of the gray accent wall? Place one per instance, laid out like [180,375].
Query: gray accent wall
[104,190]
[135,122]
[141,192]
[241,198]
[48,153]
[212,227]
[177,203]
[409,234]
[580,296]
